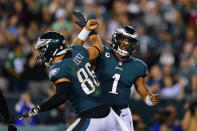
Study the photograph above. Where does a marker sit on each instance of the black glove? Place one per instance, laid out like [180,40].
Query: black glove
[34,111]
[11,127]
[82,20]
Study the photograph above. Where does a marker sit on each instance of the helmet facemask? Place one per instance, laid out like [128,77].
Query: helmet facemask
[43,55]
[40,58]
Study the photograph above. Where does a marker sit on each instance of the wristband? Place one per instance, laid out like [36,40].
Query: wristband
[83,35]
[148,101]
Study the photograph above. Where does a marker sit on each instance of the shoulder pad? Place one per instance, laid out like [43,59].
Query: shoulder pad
[58,71]
[80,49]
[142,67]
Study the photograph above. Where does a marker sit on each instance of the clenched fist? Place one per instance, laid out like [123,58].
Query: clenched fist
[154,98]
[92,25]
[151,99]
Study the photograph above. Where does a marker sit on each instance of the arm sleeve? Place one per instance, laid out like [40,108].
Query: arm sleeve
[59,98]
[4,108]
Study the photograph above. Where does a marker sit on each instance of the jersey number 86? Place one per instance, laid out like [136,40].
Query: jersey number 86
[87,79]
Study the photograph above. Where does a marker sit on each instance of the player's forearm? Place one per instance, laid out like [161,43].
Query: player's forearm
[52,102]
[149,98]
[141,89]
[62,89]
[96,41]
[144,93]
[96,47]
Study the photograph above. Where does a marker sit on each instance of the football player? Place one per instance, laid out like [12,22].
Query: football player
[117,70]
[75,80]
[5,113]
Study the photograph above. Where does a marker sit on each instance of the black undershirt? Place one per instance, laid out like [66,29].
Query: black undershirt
[118,109]
[59,98]
[97,112]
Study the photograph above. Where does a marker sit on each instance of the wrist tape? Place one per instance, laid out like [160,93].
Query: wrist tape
[148,101]
[83,35]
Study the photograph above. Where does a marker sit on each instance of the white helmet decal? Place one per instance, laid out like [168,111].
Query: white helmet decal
[42,42]
[121,30]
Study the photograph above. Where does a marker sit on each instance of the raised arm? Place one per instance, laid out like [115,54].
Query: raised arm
[96,46]
[85,32]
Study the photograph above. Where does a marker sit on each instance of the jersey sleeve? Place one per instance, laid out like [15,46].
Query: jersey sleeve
[81,49]
[142,68]
[57,72]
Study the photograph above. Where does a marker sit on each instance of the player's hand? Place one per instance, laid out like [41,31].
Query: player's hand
[11,127]
[154,98]
[92,25]
[82,20]
[34,111]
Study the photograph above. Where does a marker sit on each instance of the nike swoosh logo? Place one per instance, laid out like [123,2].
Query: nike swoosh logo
[124,115]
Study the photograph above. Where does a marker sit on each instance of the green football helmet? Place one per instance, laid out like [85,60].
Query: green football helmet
[125,32]
[50,45]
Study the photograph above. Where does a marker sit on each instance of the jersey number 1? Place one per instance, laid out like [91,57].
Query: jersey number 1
[87,84]
[115,84]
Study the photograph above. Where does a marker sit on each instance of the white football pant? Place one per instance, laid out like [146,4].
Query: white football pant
[112,122]
[126,116]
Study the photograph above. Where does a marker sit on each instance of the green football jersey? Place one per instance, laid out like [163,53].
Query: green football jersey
[85,92]
[116,77]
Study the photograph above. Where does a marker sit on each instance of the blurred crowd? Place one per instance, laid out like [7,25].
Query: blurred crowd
[167,35]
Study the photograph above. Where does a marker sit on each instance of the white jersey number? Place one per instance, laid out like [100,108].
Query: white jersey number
[115,84]
[84,75]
